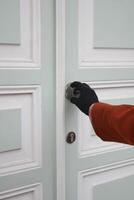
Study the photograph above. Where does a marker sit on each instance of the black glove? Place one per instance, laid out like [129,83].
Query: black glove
[87,96]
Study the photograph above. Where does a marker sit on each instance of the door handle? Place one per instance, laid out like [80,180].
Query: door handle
[71,92]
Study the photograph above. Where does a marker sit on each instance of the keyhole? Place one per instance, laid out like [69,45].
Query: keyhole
[71,137]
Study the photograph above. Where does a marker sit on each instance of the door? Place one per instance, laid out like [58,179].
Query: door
[27,144]
[99,50]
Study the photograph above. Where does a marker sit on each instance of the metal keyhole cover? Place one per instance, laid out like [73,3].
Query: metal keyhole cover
[71,137]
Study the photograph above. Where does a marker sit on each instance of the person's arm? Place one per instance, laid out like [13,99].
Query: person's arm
[110,122]
[113,123]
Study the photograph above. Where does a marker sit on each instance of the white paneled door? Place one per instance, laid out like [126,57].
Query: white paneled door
[27,159]
[94,45]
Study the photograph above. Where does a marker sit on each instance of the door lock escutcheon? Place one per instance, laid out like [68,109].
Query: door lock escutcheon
[71,137]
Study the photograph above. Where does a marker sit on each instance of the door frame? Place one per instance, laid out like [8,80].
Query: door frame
[60,98]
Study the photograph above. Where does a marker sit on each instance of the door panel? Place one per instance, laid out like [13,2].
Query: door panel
[23,134]
[115,93]
[105,63]
[110,33]
[23,52]
[109,183]
[104,60]
[20,100]
[10,19]
[26,100]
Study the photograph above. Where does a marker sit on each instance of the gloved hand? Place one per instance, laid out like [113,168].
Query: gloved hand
[87,96]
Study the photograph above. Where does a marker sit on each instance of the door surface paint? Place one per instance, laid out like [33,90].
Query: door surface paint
[100,52]
[27,100]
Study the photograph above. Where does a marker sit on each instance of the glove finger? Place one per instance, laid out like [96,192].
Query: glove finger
[76,92]
[77,85]
[86,85]
[75,101]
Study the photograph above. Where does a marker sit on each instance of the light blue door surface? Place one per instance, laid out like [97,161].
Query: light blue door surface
[27,100]
[100,52]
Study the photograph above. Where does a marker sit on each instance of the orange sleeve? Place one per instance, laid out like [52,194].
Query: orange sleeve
[113,123]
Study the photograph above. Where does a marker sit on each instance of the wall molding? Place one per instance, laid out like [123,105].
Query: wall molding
[35,189]
[103,168]
[113,84]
